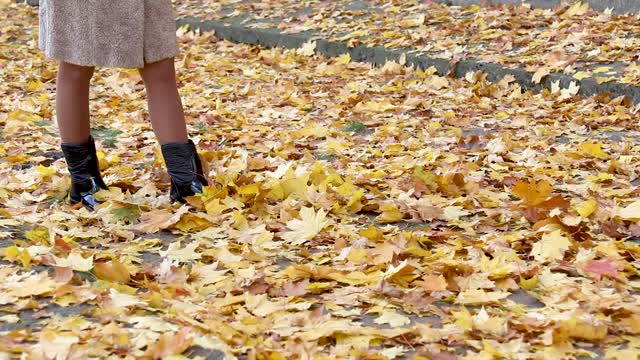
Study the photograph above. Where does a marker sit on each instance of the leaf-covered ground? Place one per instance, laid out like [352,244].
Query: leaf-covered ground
[354,212]
[572,39]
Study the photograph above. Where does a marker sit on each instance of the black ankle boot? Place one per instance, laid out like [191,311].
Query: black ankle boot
[185,169]
[82,162]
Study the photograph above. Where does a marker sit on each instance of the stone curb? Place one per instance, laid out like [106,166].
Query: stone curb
[618,6]
[271,38]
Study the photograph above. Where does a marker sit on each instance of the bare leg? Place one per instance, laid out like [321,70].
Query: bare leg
[72,102]
[165,106]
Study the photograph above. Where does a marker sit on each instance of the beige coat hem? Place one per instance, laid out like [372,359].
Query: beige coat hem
[108,33]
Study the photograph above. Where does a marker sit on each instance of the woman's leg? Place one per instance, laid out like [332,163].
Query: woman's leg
[72,102]
[72,106]
[167,117]
[165,105]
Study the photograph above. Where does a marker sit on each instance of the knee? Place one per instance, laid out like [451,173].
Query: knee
[159,73]
[76,73]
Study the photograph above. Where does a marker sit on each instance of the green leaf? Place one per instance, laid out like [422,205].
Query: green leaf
[356,127]
[129,214]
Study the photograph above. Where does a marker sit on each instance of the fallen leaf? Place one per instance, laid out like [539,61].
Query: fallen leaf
[171,344]
[631,211]
[604,267]
[392,318]
[113,271]
[307,227]
[76,262]
[479,297]
[551,247]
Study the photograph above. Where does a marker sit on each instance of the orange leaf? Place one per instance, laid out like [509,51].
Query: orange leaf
[113,271]
[433,283]
[170,344]
[532,193]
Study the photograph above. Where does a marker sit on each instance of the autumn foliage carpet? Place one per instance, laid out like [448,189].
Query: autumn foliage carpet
[353,212]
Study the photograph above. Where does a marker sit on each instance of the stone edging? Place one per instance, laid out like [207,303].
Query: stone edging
[270,38]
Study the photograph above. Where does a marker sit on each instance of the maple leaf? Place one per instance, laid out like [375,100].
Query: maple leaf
[299,288]
[579,329]
[532,193]
[37,284]
[62,274]
[539,74]
[433,283]
[54,345]
[393,318]
[76,262]
[171,344]
[551,247]
[121,300]
[587,208]
[402,274]
[175,253]
[593,149]
[631,211]
[493,325]
[156,220]
[128,213]
[535,198]
[479,297]
[307,49]
[604,267]
[113,271]
[307,227]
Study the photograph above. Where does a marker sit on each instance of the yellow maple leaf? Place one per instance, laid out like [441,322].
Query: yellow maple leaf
[552,247]
[307,227]
[54,345]
[402,274]
[344,59]
[390,214]
[394,319]
[22,115]
[587,208]
[620,354]
[186,254]
[479,296]
[578,329]
[631,212]
[121,300]
[463,318]
[593,149]
[492,325]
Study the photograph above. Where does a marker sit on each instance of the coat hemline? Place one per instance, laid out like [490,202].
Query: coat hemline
[106,64]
